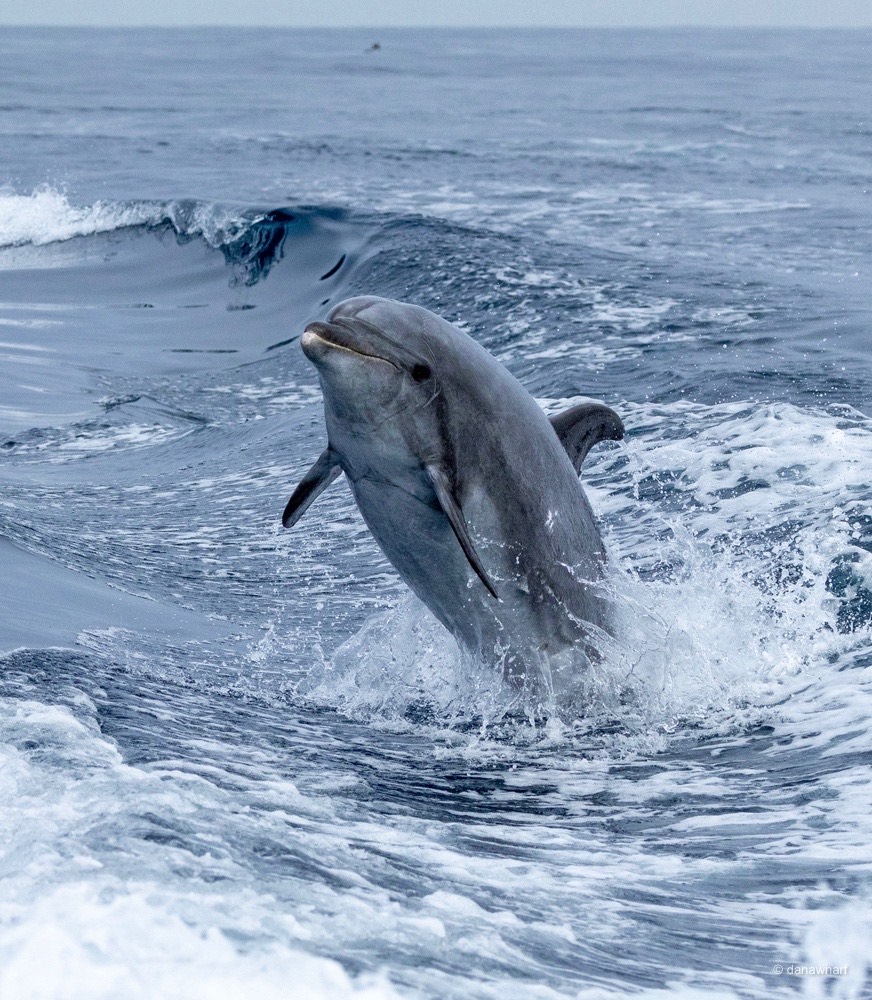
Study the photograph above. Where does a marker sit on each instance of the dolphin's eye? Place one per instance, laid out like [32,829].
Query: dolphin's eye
[420,373]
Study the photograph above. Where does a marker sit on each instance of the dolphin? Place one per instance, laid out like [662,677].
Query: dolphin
[471,492]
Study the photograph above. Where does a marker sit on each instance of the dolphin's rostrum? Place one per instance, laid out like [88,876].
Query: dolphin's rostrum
[471,492]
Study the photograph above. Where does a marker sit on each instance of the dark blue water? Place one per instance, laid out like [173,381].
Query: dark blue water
[238,761]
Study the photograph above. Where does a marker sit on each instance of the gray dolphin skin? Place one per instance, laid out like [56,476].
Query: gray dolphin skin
[469,489]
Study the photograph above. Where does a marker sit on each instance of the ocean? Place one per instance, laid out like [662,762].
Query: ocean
[237,761]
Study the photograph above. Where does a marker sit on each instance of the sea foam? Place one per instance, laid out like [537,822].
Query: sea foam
[46,215]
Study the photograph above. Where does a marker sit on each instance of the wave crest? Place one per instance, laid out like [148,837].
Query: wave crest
[46,215]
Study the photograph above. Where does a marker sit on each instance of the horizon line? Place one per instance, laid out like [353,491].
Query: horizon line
[445,27]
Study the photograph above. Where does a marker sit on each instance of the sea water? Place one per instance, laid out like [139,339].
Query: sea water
[237,761]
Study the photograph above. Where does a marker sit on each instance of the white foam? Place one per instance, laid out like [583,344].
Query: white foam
[86,441]
[46,215]
[836,953]
[101,943]
[73,924]
[629,317]
[401,661]
[716,641]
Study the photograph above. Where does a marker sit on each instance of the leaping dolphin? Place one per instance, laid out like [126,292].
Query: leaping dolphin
[470,491]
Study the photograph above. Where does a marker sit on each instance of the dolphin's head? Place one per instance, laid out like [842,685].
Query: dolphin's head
[374,357]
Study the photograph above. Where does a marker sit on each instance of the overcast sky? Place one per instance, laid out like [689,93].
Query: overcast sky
[652,13]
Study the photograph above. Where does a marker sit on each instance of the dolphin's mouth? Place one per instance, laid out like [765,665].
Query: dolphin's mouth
[334,335]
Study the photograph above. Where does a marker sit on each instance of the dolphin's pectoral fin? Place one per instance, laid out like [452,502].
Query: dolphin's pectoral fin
[581,427]
[449,504]
[312,485]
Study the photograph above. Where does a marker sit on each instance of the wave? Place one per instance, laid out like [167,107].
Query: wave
[46,215]
[324,241]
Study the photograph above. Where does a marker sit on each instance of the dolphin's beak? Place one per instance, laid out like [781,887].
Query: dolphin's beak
[320,339]
[316,341]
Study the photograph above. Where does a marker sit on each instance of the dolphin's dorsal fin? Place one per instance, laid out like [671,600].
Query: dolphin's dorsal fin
[581,427]
[445,495]
[312,485]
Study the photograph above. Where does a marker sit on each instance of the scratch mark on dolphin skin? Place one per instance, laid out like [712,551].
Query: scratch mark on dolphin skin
[406,409]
